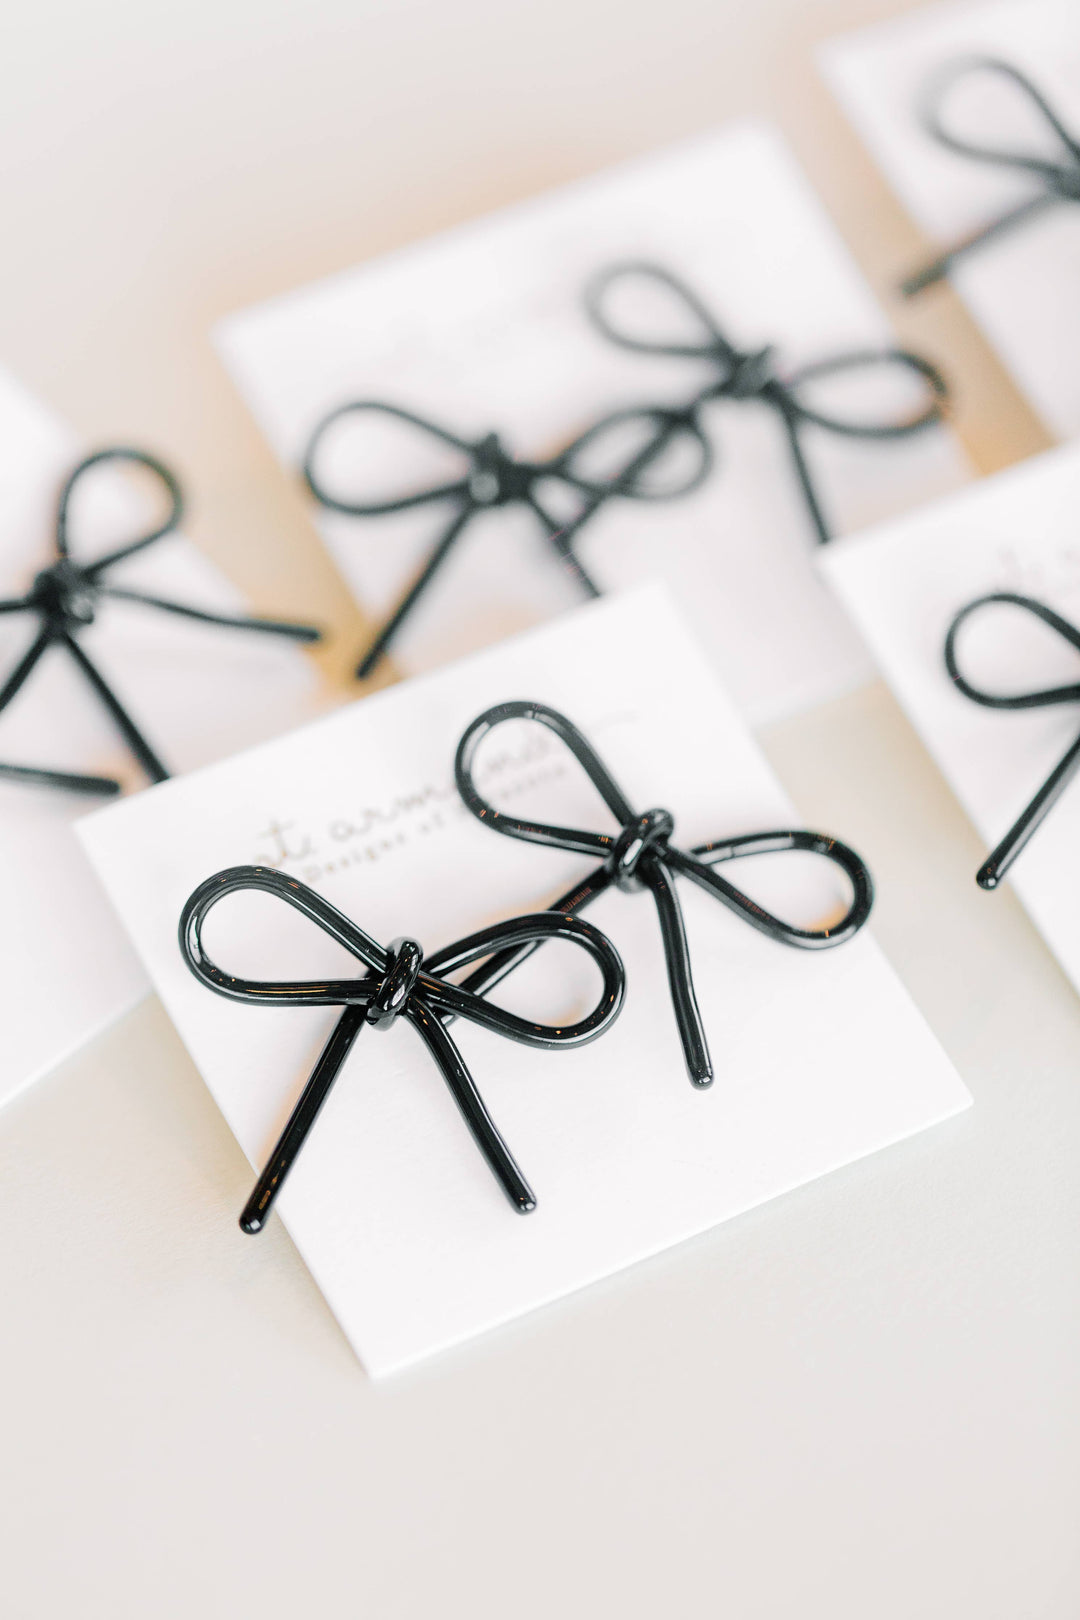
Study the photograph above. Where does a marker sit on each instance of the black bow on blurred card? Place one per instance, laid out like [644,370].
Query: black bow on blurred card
[754,375]
[1056,180]
[65,597]
[493,478]
[653,451]
[1035,812]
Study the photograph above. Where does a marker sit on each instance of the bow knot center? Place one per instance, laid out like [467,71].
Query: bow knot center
[405,959]
[65,593]
[748,374]
[1066,182]
[497,479]
[649,832]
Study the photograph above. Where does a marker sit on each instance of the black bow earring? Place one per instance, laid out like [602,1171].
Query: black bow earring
[399,982]
[493,478]
[66,595]
[642,856]
[1058,182]
[1031,818]
[752,375]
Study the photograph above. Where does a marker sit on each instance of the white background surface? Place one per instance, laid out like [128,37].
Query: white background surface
[860,1401]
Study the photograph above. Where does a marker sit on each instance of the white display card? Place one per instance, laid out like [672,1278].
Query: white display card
[821,1057]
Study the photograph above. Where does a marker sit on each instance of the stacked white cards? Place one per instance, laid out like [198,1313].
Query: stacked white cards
[200,693]
[390,1204]
[1021,288]
[484,328]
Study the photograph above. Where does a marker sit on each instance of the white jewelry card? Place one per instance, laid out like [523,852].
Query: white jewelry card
[484,329]
[1021,288]
[821,1057]
[200,692]
[904,582]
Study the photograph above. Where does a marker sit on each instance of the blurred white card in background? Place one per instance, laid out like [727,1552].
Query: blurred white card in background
[483,329]
[1021,288]
[821,1057]
[903,584]
[199,692]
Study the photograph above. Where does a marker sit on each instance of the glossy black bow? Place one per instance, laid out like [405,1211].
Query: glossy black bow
[1001,858]
[65,598]
[494,478]
[641,855]
[753,375]
[1057,181]
[65,781]
[400,982]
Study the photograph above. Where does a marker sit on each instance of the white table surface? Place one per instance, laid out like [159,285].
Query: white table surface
[859,1401]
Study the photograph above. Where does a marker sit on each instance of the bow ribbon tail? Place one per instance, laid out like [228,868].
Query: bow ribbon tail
[462,1088]
[680,978]
[939,268]
[134,738]
[302,1118]
[802,472]
[437,556]
[244,621]
[25,667]
[34,775]
[1029,820]
[562,537]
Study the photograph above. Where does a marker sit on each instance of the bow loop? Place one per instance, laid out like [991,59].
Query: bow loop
[692,334]
[1069,693]
[1035,812]
[166,524]
[1058,177]
[497,479]
[899,366]
[1054,172]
